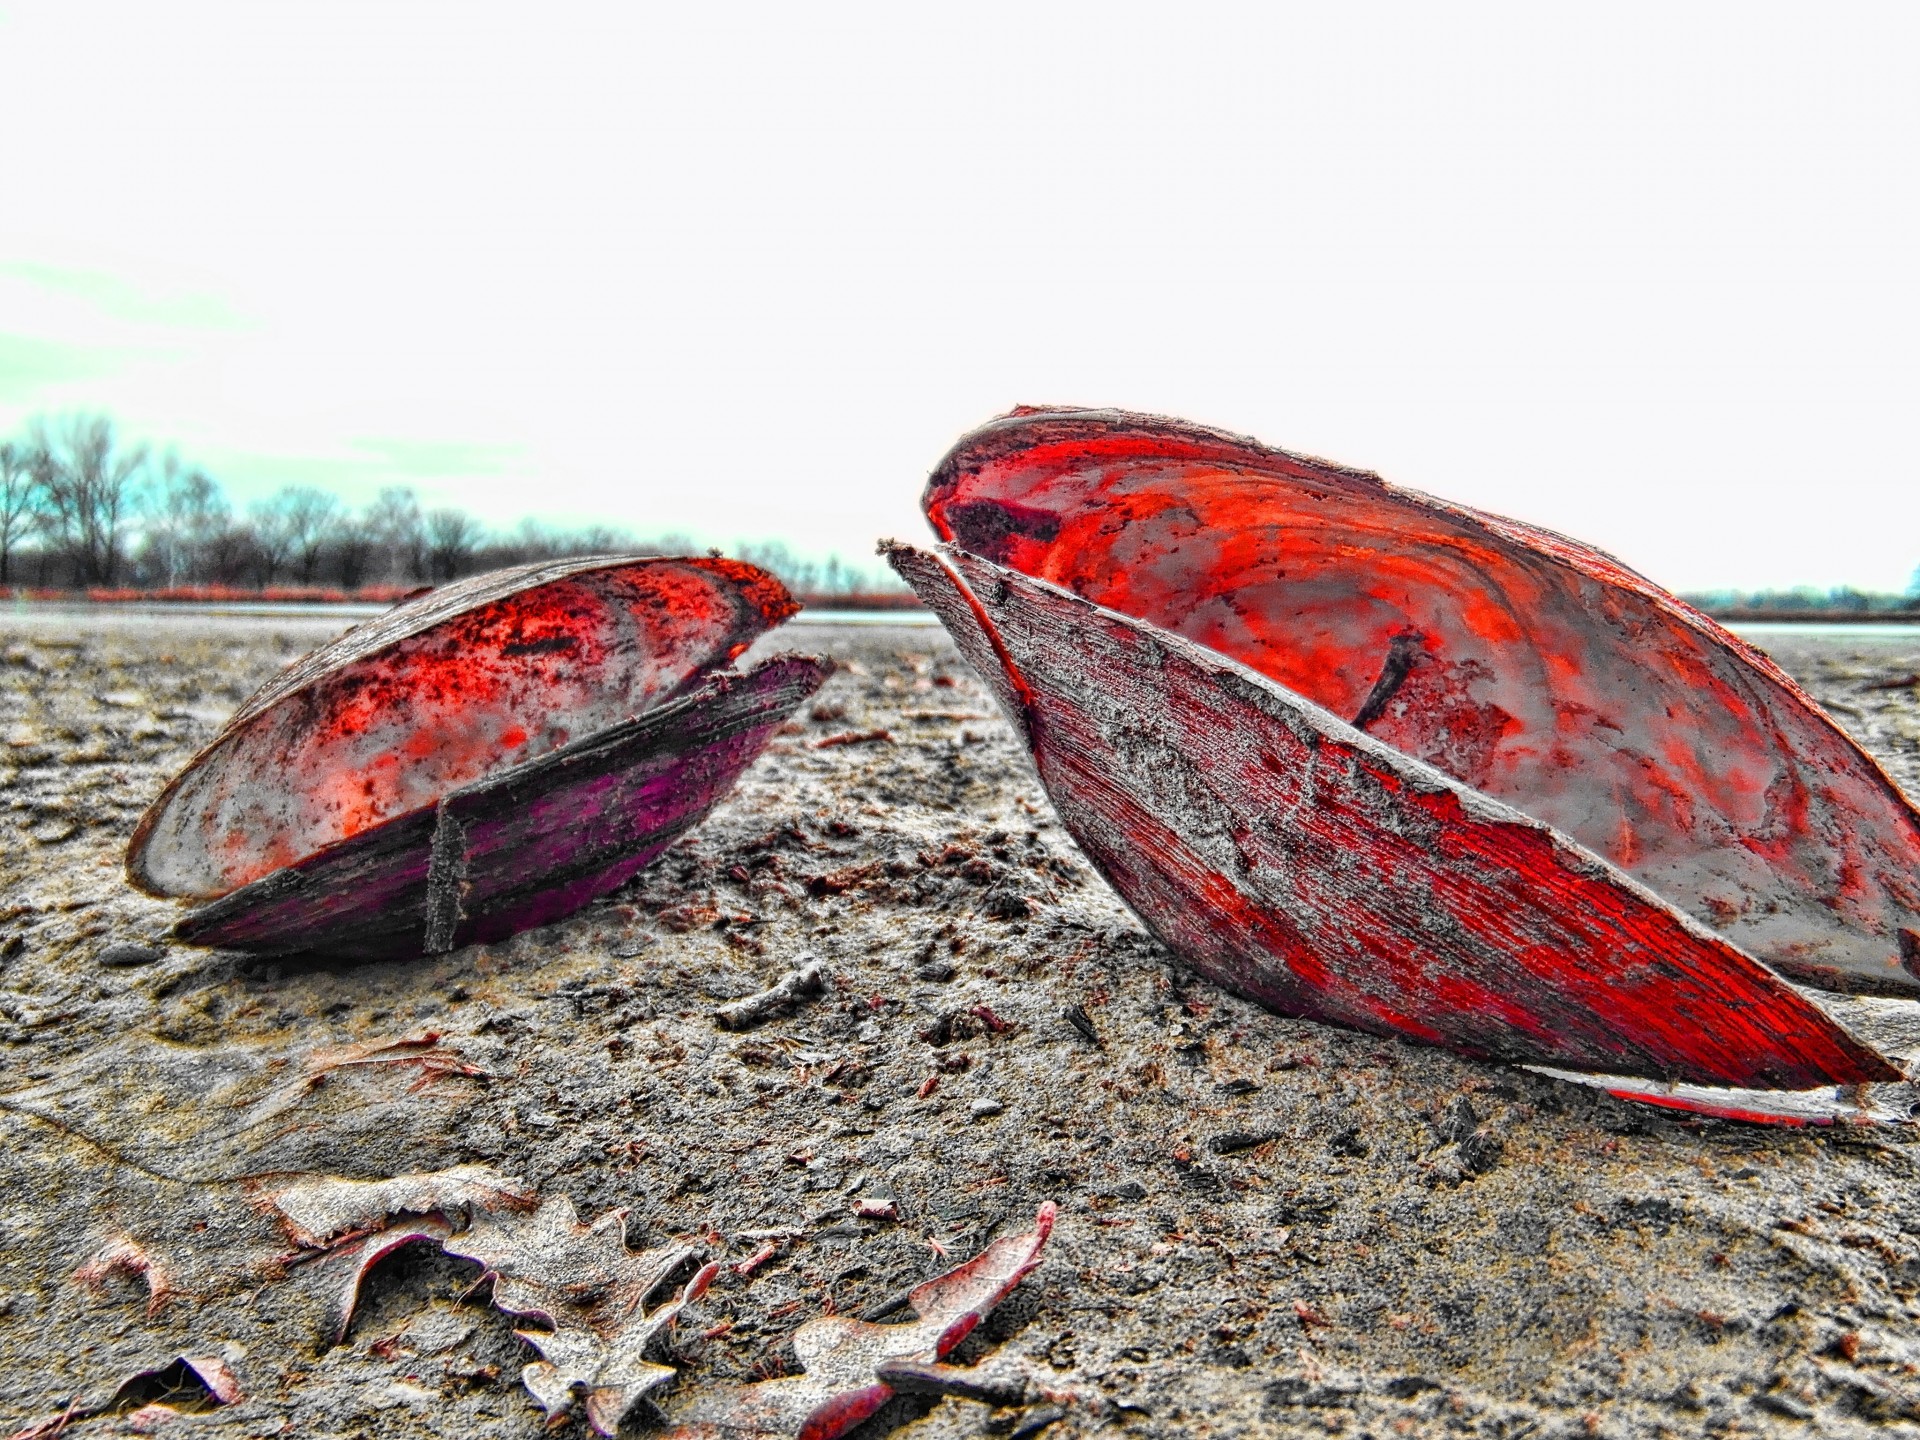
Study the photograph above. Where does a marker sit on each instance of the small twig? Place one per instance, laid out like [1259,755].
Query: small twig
[754,1261]
[892,1304]
[913,1377]
[854,737]
[787,992]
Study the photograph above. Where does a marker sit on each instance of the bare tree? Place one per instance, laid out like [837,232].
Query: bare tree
[185,512]
[273,537]
[88,485]
[19,503]
[394,518]
[794,572]
[452,537]
[311,518]
[598,540]
[530,541]
[228,555]
[352,545]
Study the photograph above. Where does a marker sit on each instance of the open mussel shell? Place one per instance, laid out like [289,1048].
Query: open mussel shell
[1528,666]
[485,759]
[1300,862]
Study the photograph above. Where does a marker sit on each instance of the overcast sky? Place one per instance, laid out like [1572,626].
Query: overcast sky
[1645,274]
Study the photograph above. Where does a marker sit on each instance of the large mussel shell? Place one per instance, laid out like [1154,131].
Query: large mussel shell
[482,760]
[1399,765]
[1297,861]
[1529,666]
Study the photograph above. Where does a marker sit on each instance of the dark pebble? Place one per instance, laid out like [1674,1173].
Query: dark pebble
[1036,1420]
[936,970]
[127,954]
[1081,1021]
[1233,1141]
[1294,1391]
[1783,1405]
[1349,1142]
[11,947]
[1457,1121]
[1405,1387]
[1652,1210]
[1481,1151]
[1305,1210]
[1129,1190]
[1005,905]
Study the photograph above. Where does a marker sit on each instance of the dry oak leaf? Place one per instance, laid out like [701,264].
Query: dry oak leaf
[611,1372]
[581,1280]
[584,1282]
[360,1254]
[317,1211]
[187,1383]
[841,1356]
[125,1256]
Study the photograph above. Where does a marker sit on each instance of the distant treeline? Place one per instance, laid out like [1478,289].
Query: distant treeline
[1842,599]
[79,510]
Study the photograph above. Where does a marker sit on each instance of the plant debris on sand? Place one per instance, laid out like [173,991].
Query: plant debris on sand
[1265,1226]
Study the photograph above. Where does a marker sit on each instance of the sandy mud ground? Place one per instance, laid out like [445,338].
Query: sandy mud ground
[1266,1227]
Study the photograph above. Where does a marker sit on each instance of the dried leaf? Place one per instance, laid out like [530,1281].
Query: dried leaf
[841,1386]
[549,1265]
[125,1256]
[207,1373]
[189,1382]
[584,1282]
[612,1372]
[361,1255]
[581,1280]
[317,1211]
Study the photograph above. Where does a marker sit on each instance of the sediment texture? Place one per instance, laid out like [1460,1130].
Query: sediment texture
[1267,1227]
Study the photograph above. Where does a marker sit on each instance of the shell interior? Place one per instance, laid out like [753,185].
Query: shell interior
[467,683]
[1526,665]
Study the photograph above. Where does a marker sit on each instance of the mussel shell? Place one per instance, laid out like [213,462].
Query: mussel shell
[1297,861]
[466,682]
[1529,666]
[523,847]
[482,760]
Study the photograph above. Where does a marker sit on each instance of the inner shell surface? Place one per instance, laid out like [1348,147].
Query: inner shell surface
[477,693]
[1530,667]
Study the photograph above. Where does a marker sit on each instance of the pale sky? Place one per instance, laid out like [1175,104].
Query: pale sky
[1642,273]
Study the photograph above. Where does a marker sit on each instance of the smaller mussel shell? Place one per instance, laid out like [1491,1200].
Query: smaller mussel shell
[488,758]
[524,847]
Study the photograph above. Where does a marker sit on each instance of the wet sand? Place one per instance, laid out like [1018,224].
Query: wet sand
[1267,1226]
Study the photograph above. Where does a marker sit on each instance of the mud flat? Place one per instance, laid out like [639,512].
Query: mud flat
[1266,1226]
